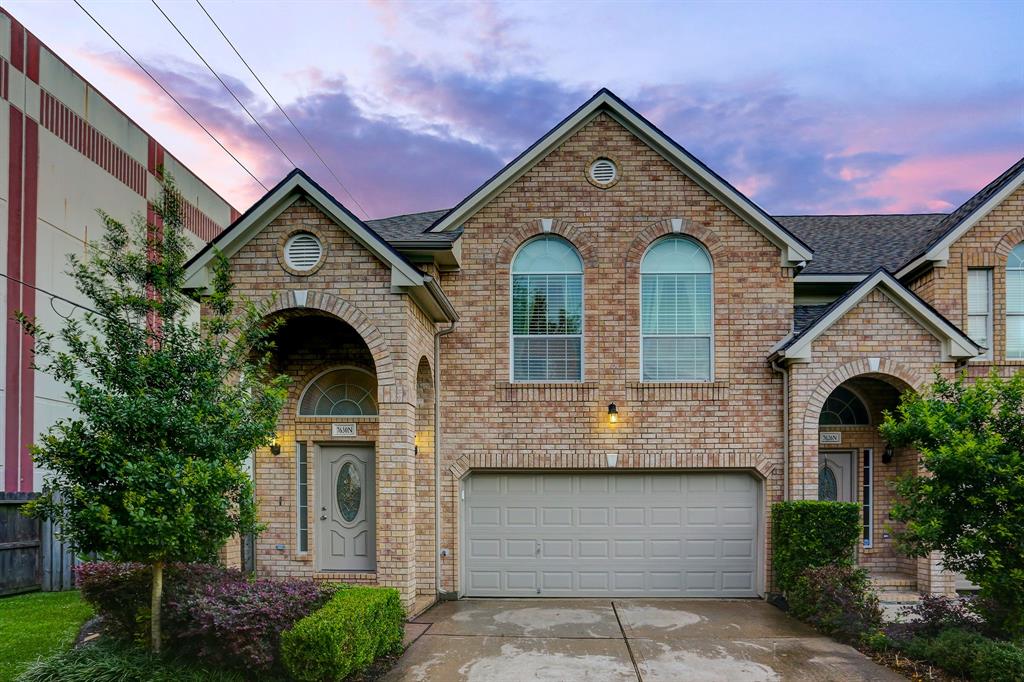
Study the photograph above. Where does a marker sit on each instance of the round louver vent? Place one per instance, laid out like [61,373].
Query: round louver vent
[302,251]
[603,172]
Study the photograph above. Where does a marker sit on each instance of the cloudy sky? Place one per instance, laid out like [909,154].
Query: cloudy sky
[807,107]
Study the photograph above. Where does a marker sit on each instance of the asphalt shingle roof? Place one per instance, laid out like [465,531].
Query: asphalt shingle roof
[804,315]
[860,244]
[411,227]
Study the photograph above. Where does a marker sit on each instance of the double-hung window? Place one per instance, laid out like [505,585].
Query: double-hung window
[1015,303]
[676,311]
[979,308]
[547,312]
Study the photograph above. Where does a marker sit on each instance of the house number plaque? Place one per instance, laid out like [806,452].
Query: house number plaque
[830,437]
[343,430]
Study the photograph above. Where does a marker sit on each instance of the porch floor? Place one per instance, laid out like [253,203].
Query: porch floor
[892,587]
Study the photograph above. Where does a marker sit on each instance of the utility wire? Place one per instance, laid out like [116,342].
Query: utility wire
[226,87]
[168,93]
[281,109]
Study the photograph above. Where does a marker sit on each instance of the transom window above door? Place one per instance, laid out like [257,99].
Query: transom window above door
[342,391]
[676,311]
[547,311]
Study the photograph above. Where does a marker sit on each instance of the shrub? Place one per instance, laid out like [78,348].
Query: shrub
[113,662]
[837,601]
[932,615]
[357,626]
[969,654]
[120,592]
[215,614]
[810,534]
[240,623]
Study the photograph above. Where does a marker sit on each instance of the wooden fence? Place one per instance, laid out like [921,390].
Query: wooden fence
[31,556]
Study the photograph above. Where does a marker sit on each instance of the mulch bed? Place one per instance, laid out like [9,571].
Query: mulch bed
[909,668]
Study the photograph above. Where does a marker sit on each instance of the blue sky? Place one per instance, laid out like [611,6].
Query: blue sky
[807,107]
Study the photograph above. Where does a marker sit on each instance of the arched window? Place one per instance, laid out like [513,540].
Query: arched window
[547,311]
[843,408]
[1015,303]
[676,311]
[344,391]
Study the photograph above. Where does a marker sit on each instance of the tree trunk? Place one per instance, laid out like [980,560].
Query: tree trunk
[154,606]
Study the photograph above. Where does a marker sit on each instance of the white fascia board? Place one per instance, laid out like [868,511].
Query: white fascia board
[273,205]
[939,252]
[793,252]
[955,345]
[829,279]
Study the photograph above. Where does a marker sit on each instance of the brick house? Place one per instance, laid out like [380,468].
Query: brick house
[596,373]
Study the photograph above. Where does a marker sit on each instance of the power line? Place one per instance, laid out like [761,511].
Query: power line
[226,87]
[168,93]
[281,109]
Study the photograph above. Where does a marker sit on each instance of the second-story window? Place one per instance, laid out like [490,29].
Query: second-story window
[979,308]
[1015,303]
[676,311]
[547,311]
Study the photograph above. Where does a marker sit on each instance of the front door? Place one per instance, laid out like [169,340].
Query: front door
[836,476]
[346,528]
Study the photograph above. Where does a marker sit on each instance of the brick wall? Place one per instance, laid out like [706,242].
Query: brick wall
[344,312]
[735,421]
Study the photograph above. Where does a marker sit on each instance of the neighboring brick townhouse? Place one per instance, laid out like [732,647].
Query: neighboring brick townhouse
[65,151]
[595,374]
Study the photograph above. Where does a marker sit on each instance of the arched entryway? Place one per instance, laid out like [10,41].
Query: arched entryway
[856,464]
[326,449]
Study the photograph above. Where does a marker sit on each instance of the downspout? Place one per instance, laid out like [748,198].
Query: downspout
[437,456]
[784,371]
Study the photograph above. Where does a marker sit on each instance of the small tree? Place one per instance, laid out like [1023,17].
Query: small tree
[969,504]
[152,466]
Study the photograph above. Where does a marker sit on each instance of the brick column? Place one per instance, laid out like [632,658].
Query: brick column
[396,499]
[932,579]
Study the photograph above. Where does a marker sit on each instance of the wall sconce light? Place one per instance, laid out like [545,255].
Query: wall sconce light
[887,454]
[612,458]
[275,446]
[613,414]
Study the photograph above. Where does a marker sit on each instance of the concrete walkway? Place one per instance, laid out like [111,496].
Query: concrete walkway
[653,640]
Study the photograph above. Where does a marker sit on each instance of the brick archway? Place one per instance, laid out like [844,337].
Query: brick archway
[283,300]
[707,237]
[536,228]
[878,368]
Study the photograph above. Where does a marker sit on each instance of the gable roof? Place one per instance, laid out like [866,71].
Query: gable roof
[794,250]
[412,228]
[405,277]
[955,344]
[963,218]
[860,244]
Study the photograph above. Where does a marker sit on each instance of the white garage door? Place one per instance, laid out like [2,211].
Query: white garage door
[664,534]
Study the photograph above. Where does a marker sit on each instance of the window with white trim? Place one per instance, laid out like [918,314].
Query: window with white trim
[1015,303]
[676,335]
[843,408]
[867,503]
[547,311]
[979,308]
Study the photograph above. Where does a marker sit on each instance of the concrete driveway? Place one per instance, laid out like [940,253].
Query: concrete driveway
[513,640]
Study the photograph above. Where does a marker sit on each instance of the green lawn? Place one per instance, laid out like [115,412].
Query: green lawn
[33,625]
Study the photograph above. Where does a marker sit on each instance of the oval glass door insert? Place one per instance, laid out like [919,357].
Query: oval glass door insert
[828,489]
[350,492]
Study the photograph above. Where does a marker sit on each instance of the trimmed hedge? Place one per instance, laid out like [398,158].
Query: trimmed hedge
[811,534]
[356,627]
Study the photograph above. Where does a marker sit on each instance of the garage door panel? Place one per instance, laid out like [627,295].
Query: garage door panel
[611,535]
